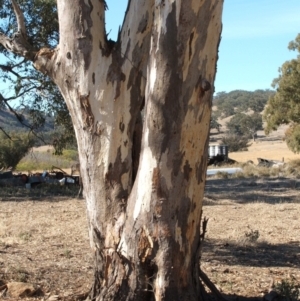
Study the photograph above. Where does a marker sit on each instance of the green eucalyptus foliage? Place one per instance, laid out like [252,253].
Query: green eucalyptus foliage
[284,106]
[245,125]
[24,88]
[13,149]
[235,142]
[292,137]
[214,124]
[240,101]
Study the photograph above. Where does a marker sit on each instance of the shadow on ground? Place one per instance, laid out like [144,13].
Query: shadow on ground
[41,192]
[235,298]
[267,190]
[255,255]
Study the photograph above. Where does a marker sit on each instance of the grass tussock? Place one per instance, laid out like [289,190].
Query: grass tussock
[293,168]
[288,290]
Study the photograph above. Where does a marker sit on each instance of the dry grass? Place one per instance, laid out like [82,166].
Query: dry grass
[271,147]
[45,241]
[236,208]
[43,158]
[273,150]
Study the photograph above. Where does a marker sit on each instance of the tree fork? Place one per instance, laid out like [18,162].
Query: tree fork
[144,219]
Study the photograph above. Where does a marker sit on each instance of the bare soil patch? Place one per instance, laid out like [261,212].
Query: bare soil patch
[253,237]
[44,241]
[44,148]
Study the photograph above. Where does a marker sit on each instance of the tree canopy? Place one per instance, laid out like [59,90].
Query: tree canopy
[22,85]
[14,148]
[240,101]
[284,106]
[245,125]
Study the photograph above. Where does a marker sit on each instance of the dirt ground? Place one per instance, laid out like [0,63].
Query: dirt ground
[253,239]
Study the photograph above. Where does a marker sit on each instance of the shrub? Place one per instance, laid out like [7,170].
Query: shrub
[293,168]
[251,236]
[70,154]
[14,148]
[222,175]
[235,142]
[288,290]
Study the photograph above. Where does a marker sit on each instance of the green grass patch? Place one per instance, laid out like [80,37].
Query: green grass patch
[36,160]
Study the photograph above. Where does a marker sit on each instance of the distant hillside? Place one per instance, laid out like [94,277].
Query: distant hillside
[228,104]
[9,123]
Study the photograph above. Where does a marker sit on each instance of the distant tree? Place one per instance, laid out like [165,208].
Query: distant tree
[227,109]
[14,148]
[292,137]
[245,125]
[257,102]
[235,142]
[214,124]
[239,101]
[284,106]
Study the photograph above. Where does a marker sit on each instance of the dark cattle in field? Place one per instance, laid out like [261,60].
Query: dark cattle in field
[219,160]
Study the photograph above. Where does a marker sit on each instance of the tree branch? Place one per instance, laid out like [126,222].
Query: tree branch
[9,69]
[20,119]
[18,44]
[211,286]
[20,19]
[4,132]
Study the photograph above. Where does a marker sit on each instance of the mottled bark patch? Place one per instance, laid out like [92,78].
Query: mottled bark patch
[136,145]
[115,73]
[85,40]
[187,170]
[88,117]
[167,98]
[201,165]
[122,126]
[156,183]
[143,23]
[190,45]
[114,190]
[145,245]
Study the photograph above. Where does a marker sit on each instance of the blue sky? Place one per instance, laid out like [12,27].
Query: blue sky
[254,41]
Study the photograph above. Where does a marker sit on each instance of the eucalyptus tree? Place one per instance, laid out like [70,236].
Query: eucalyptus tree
[284,106]
[245,125]
[143,187]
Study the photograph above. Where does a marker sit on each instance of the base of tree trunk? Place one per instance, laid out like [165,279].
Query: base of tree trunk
[204,295]
[128,290]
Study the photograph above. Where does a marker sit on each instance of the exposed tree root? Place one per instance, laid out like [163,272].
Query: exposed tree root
[211,286]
